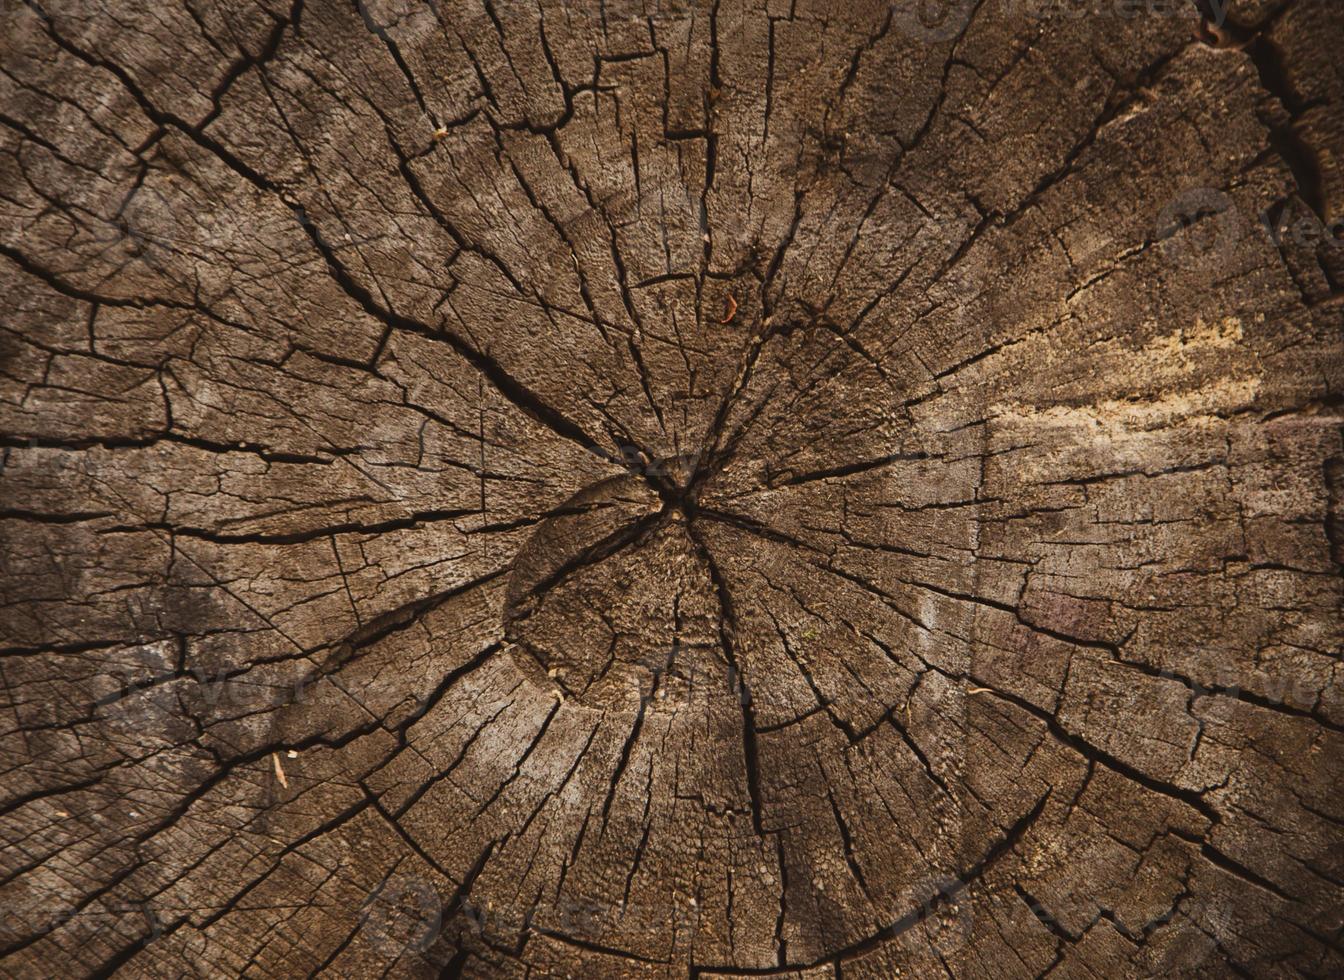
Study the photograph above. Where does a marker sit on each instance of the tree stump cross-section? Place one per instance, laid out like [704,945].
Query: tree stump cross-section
[797,488]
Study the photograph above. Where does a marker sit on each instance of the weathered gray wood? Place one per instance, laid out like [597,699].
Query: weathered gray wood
[613,489]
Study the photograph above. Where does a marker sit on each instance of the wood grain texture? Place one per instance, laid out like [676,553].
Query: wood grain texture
[641,489]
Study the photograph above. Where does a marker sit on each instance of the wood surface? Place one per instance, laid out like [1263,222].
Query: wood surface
[800,488]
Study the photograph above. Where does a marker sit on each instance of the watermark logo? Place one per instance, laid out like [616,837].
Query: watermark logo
[1203,223]
[1111,9]
[104,924]
[404,916]
[1198,223]
[936,21]
[150,701]
[932,21]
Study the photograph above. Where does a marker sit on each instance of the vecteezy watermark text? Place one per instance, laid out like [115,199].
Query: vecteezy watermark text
[1204,222]
[934,21]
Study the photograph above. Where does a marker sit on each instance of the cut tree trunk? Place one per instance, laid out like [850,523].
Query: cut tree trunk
[661,489]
